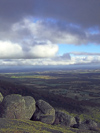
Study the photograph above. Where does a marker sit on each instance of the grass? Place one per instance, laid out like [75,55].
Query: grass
[94,114]
[35,76]
[21,126]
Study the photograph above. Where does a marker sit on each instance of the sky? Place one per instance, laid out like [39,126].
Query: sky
[49,32]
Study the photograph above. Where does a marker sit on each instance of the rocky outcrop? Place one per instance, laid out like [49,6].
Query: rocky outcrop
[44,112]
[78,121]
[64,119]
[18,107]
[89,125]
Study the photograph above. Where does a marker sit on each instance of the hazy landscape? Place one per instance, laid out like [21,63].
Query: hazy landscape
[74,90]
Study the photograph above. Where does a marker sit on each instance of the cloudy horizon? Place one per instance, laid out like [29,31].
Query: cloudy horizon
[49,32]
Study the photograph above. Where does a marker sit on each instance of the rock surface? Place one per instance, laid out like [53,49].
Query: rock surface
[89,125]
[64,119]
[25,108]
[1,97]
[17,107]
[44,112]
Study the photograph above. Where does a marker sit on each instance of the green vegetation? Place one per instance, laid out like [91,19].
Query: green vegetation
[76,92]
[20,126]
[34,76]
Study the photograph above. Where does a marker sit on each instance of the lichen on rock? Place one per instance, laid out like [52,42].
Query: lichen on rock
[16,106]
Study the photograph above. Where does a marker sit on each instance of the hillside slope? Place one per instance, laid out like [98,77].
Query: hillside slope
[20,126]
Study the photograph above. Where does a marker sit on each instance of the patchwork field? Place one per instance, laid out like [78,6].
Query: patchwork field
[81,85]
[75,91]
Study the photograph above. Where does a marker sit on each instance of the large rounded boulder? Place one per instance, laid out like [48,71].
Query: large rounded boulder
[18,107]
[44,112]
[64,119]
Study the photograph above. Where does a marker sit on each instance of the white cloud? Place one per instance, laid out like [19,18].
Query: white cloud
[9,50]
[53,31]
[65,59]
[85,53]
[48,50]
[22,36]
[43,30]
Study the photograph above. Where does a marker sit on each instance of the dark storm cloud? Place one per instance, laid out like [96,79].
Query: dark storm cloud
[76,12]
[95,38]
[13,10]
[82,12]
[67,20]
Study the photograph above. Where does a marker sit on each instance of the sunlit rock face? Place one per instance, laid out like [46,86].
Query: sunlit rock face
[18,107]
